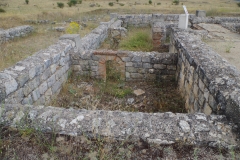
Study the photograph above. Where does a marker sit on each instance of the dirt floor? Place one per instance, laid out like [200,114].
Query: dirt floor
[118,95]
[224,42]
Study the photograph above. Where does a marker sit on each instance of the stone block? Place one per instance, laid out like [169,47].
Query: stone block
[43,88]
[53,68]
[200,13]
[46,74]
[9,82]
[129,64]
[207,109]
[74,37]
[36,94]
[76,68]
[146,59]
[51,81]
[126,59]
[159,66]
[172,67]
[147,65]
[136,59]
[131,69]
[56,86]
[28,100]
[137,64]
[136,76]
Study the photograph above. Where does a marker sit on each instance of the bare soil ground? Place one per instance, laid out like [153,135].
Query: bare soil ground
[224,42]
[92,94]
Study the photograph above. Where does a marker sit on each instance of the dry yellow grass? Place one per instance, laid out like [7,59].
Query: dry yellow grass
[18,11]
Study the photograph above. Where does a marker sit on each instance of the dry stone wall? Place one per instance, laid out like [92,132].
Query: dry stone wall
[158,128]
[36,79]
[10,34]
[207,81]
[144,20]
[134,65]
[231,23]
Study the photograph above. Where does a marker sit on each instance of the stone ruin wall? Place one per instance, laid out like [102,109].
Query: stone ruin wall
[208,83]
[38,77]
[10,34]
[231,23]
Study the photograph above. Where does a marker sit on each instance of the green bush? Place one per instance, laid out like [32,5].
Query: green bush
[238,4]
[121,4]
[150,1]
[60,4]
[27,1]
[110,3]
[159,3]
[2,10]
[79,1]
[176,2]
[117,0]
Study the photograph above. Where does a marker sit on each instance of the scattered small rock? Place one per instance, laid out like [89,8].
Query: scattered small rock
[138,92]
[59,29]
[130,100]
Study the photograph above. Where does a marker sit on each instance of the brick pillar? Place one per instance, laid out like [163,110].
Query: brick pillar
[159,37]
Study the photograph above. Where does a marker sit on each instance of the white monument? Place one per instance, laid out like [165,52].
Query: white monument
[183,19]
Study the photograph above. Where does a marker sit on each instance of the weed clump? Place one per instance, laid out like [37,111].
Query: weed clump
[27,1]
[73,28]
[110,3]
[150,1]
[238,4]
[176,2]
[139,41]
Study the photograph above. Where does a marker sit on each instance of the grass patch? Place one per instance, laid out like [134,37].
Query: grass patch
[137,40]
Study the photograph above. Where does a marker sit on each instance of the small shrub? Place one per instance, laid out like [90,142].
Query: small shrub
[73,28]
[158,3]
[27,1]
[74,2]
[60,4]
[2,10]
[150,1]
[79,1]
[238,4]
[176,2]
[110,3]
[69,4]
[117,0]
[121,4]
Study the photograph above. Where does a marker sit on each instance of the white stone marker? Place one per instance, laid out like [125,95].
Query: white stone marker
[183,19]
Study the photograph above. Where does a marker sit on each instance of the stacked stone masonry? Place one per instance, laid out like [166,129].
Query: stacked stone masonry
[144,20]
[207,82]
[231,23]
[10,34]
[135,65]
[37,78]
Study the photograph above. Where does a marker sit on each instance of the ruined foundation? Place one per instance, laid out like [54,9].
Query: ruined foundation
[209,85]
